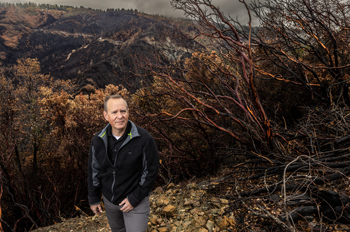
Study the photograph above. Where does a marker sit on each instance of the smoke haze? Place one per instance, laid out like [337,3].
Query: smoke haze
[161,7]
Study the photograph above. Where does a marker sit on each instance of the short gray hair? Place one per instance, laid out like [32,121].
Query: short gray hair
[115,96]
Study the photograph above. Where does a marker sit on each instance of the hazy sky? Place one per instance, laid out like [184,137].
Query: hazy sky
[162,7]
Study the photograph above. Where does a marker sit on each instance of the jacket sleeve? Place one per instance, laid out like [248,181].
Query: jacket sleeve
[94,185]
[149,173]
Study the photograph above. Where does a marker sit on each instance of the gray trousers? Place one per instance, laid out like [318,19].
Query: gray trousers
[134,221]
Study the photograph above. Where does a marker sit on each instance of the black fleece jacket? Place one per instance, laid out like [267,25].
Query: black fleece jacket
[132,173]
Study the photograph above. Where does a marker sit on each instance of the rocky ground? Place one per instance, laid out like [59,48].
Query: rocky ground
[195,206]
[186,207]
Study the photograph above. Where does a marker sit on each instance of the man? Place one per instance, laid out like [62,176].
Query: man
[123,166]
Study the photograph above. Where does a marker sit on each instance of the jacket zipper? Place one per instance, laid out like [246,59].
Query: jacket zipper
[114,169]
[113,185]
[114,177]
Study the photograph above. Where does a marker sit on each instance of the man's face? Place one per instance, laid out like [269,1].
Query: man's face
[117,115]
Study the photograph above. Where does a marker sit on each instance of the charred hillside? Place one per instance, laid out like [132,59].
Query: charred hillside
[93,48]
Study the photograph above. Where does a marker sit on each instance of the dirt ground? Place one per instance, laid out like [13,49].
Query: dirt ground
[200,208]
[79,224]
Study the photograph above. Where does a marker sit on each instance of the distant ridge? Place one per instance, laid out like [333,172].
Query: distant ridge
[92,47]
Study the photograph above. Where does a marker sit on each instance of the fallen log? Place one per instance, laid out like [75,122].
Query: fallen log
[328,205]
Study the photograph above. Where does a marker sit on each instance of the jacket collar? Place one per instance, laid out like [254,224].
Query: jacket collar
[133,132]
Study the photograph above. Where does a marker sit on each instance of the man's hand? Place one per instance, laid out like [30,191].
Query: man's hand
[126,206]
[97,209]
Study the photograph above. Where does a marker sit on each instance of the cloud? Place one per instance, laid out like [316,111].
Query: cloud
[235,9]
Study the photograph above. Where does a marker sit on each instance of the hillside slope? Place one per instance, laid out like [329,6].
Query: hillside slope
[184,207]
[200,206]
[92,47]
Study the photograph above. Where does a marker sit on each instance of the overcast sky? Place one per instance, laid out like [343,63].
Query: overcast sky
[162,7]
